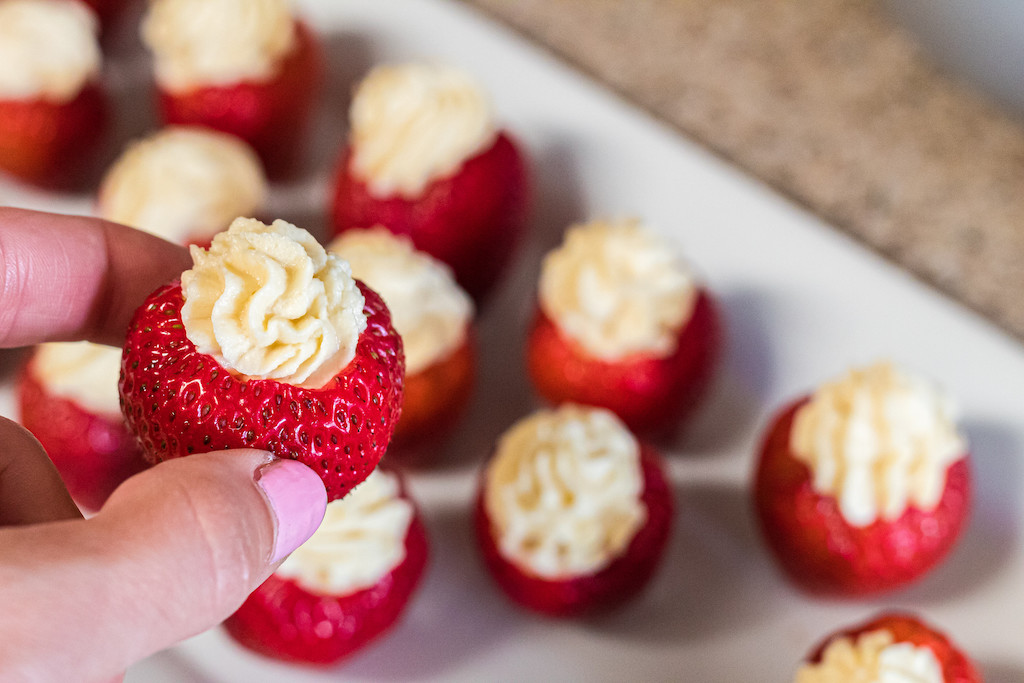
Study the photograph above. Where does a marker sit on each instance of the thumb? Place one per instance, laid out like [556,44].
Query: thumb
[174,551]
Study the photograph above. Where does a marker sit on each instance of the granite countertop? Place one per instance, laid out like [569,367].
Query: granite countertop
[833,106]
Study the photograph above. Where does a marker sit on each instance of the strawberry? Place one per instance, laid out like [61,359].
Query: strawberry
[472,220]
[273,116]
[822,552]
[433,401]
[93,452]
[54,145]
[178,400]
[287,620]
[610,586]
[954,665]
[652,395]
[435,318]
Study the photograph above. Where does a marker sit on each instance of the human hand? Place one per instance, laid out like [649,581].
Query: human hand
[176,548]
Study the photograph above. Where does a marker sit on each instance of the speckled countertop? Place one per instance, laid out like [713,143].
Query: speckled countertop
[832,105]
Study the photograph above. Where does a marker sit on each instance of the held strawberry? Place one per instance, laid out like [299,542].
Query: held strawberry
[889,647]
[426,160]
[621,324]
[865,486]
[53,110]
[244,67]
[434,316]
[267,343]
[346,586]
[67,394]
[585,539]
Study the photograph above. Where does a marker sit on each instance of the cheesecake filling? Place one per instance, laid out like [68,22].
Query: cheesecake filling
[268,302]
[878,440]
[428,309]
[563,491]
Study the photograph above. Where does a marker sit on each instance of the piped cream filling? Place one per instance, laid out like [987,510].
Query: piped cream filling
[48,49]
[428,309]
[878,441]
[873,657]
[269,302]
[413,124]
[361,540]
[617,289]
[199,43]
[183,184]
[81,372]
[563,491]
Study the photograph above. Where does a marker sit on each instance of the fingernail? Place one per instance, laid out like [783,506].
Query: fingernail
[297,497]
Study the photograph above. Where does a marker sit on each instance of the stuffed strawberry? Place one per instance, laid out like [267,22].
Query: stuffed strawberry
[426,160]
[573,513]
[890,647]
[864,486]
[434,317]
[267,342]
[68,399]
[245,67]
[622,324]
[184,184]
[346,585]
[53,109]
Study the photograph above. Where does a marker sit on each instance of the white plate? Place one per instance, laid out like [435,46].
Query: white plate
[802,303]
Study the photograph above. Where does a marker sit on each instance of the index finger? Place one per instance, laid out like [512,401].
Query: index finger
[73,277]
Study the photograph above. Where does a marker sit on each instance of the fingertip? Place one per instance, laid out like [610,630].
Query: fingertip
[298,500]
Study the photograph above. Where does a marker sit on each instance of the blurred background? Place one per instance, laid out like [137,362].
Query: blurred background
[898,121]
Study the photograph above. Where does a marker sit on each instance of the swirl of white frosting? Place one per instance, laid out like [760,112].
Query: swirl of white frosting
[48,49]
[361,539]
[617,289]
[81,372]
[199,43]
[874,657]
[416,123]
[878,440]
[428,309]
[268,302]
[563,491]
[183,184]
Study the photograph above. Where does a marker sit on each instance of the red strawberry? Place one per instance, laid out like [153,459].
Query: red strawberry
[651,395]
[472,220]
[50,144]
[284,620]
[822,552]
[905,628]
[616,583]
[180,401]
[94,453]
[433,401]
[272,116]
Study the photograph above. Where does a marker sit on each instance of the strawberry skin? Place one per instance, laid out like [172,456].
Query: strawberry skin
[821,552]
[472,220]
[905,628]
[283,620]
[622,579]
[93,453]
[272,116]
[433,401]
[651,395]
[54,146]
[179,401]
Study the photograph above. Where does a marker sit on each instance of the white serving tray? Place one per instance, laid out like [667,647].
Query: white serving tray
[802,303]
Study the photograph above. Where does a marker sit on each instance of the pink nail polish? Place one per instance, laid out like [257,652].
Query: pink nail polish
[298,499]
